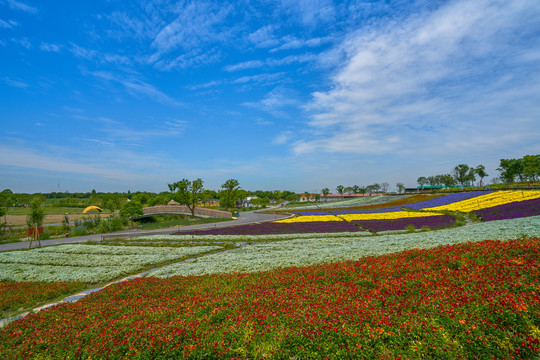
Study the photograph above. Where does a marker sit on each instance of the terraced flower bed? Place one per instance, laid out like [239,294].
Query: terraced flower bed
[87,263]
[495,198]
[462,301]
[279,228]
[510,211]
[446,200]
[21,295]
[427,222]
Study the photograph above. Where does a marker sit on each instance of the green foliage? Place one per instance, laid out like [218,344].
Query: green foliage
[228,193]
[131,209]
[37,213]
[188,193]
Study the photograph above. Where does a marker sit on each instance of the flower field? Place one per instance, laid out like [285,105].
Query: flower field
[87,263]
[429,222]
[473,300]
[395,214]
[279,228]
[338,283]
[495,198]
[17,295]
[306,251]
[511,210]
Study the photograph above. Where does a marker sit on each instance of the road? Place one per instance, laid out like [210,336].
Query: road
[247,217]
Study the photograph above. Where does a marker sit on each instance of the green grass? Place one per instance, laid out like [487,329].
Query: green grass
[48,210]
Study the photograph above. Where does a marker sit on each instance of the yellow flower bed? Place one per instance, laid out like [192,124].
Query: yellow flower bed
[488,200]
[351,217]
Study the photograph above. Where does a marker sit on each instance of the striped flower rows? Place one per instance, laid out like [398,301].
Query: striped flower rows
[488,200]
[511,210]
[355,217]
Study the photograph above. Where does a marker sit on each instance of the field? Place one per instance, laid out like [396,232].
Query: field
[373,281]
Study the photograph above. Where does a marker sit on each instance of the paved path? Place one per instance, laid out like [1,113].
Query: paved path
[247,217]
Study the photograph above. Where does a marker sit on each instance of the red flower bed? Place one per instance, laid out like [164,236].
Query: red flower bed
[17,295]
[474,300]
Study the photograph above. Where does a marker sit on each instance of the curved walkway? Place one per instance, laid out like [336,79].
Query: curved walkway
[247,217]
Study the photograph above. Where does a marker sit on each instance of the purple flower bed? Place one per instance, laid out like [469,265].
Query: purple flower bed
[344,212]
[512,210]
[432,222]
[278,228]
[446,199]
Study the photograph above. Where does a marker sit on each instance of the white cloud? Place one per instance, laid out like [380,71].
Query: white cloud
[264,37]
[421,82]
[10,24]
[137,87]
[310,12]
[21,6]
[275,102]
[14,83]
[50,47]
[197,23]
[245,65]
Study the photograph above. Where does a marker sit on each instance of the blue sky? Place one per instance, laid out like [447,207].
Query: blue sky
[279,94]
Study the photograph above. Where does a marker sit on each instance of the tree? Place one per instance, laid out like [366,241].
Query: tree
[229,193]
[463,174]
[349,190]
[384,187]
[35,218]
[531,166]
[131,209]
[432,180]
[325,192]
[480,170]
[317,197]
[308,195]
[111,202]
[422,180]
[340,189]
[187,193]
[400,187]
[447,180]
[510,169]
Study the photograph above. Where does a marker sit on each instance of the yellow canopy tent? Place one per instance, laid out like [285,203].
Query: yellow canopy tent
[92,208]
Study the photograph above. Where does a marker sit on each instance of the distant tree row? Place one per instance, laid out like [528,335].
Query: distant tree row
[526,168]
[461,174]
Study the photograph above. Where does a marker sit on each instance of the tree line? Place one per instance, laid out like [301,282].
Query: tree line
[523,169]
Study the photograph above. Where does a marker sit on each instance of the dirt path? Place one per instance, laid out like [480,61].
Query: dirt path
[20,219]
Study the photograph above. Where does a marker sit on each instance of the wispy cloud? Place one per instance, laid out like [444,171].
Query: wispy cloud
[276,102]
[21,6]
[118,130]
[197,23]
[50,47]
[310,12]
[430,77]
[9,24]
[14,83]
[251,64]
[137,87]
[264,37]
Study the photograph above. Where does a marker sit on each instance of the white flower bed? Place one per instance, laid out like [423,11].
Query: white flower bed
[305,252]
[246,238]
[88,263]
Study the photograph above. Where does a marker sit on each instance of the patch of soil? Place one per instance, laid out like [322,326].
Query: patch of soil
[20,219]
